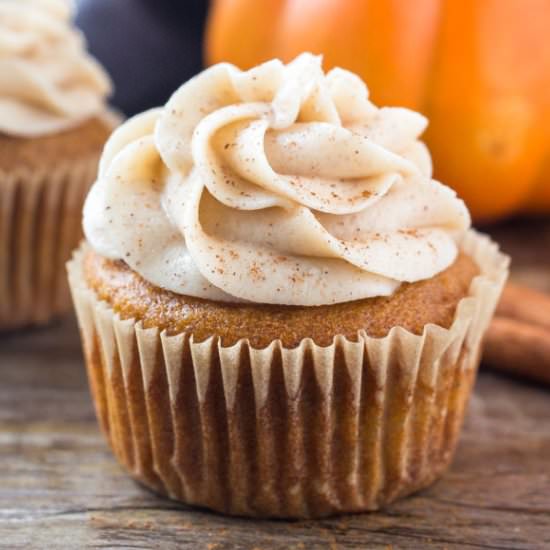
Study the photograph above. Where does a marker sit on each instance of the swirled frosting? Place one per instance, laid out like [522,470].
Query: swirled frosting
[48,83]
[281,185]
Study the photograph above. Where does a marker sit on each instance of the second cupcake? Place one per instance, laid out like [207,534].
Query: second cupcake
[53,124]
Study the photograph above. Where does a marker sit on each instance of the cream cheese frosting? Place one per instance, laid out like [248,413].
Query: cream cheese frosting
[280,185]
[48,82]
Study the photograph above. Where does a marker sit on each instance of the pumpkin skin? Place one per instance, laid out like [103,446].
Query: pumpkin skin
[479,70]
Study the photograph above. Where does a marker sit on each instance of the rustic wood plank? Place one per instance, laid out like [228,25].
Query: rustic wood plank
[61,487]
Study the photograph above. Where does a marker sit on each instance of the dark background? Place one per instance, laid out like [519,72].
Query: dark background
[149,47]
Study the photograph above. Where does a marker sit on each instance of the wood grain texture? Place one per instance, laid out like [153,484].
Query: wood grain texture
[60,487]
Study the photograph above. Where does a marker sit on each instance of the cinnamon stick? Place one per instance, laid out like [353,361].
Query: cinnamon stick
[518,339]
[518,348]
[525,304]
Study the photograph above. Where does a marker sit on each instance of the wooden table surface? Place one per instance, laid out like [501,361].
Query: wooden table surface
[60,487]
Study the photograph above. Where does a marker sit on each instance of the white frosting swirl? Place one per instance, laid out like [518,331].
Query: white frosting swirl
[277,185]
[48,83]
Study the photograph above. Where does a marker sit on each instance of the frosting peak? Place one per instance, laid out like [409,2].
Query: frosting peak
[280,185]
[48,82]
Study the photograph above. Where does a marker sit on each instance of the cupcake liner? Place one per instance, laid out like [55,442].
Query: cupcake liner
[275,432]
[40,225]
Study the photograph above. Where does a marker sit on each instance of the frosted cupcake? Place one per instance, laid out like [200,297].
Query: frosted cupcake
[53,124]
[281,310]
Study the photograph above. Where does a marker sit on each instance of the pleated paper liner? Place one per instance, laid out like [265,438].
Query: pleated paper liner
[293,433]
[40,225]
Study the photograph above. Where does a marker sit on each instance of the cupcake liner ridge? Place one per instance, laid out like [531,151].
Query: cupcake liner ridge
[304,432]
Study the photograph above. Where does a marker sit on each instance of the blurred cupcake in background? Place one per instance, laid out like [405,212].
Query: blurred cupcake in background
[53,124]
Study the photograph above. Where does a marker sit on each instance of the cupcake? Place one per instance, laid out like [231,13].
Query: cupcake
[281,310]
[53,124]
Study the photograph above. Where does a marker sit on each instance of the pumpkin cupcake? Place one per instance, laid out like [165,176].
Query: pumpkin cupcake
[53,124]
[281,310]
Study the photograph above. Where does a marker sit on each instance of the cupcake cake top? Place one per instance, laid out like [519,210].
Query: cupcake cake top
[48,82]
[280,185]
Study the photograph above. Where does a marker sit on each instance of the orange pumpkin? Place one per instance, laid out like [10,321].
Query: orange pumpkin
[479,69]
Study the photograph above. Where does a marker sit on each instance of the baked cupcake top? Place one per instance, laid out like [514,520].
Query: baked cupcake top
[48,82]
[279,185]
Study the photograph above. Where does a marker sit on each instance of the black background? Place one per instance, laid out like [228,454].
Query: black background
[149,47]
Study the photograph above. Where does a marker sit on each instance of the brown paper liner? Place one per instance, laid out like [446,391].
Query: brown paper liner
[304,432]
[40,225]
